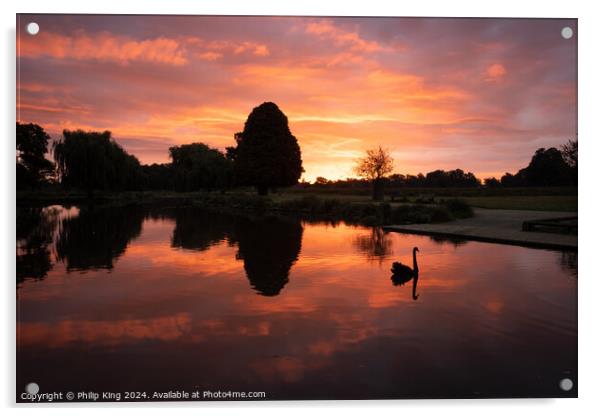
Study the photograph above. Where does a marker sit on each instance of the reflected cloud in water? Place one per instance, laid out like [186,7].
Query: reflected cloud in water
[96,237]
[178,297]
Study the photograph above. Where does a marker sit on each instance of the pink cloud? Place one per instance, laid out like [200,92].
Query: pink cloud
[326,29]
[495,72]
[216,49]
[103,47]
[342,82]
[210,56]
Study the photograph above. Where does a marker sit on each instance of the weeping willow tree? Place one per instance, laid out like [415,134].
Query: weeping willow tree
[94,161]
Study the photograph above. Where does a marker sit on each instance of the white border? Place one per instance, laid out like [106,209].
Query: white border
[590,71]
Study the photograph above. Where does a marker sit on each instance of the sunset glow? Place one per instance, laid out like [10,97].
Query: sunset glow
[476,94]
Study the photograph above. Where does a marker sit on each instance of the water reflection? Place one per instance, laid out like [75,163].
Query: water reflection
[180,309]
[97,236]
[454,241]
[35,227]
[198,230]
[269,247]
[377,245]
[403,274]
[568,261]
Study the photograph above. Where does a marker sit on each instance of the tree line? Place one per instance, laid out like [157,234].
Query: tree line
[548,167]
[265,155]
[435,179]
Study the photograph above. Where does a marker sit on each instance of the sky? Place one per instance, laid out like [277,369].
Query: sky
[477,94]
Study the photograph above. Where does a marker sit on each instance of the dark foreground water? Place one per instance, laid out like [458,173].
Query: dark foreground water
[177,299]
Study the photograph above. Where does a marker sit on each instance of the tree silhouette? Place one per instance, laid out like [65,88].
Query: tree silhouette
[547,168]
[492,182]
[158,176]
[267,154]
[197,166]
[32,166]
[453,178]
[375,166]
[92,160]
[569,154]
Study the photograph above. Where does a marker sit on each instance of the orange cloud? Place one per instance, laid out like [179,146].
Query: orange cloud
[342,82]
[495,71]
[103,47]
[210,56]
[326,29]
[216,49]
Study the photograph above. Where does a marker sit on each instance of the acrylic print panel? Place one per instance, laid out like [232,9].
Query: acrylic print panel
[279,208]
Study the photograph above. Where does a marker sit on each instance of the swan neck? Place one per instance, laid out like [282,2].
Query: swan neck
[415,263]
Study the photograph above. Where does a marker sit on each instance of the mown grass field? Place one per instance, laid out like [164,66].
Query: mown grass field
[441,192]
[535,203]
[514,198]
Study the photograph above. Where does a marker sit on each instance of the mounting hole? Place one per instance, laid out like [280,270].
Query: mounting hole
[566,384]
[566,32]
[32,388]
[32,28]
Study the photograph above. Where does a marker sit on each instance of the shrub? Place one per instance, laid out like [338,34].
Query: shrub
[440,214]
[458,208]
[330,206]
[385,210]
[370,210]
[370,220]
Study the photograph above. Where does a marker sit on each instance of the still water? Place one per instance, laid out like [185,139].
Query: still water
[158,299]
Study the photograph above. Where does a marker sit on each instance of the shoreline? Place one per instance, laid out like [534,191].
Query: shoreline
[369,213]
[496,226]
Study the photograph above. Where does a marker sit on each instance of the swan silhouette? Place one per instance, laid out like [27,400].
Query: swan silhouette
[401,270]
[403,274]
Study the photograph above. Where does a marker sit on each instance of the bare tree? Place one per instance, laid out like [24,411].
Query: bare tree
[569,153]
[375,166]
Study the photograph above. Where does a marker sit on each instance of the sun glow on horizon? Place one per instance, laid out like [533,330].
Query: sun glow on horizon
[480,95]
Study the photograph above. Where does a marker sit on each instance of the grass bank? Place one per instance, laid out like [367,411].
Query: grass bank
[410,192]
[561,199]
[559,203]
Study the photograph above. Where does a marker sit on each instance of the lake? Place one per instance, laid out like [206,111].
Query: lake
[160,299]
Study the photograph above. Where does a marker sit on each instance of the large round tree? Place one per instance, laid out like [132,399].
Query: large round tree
[267,154]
